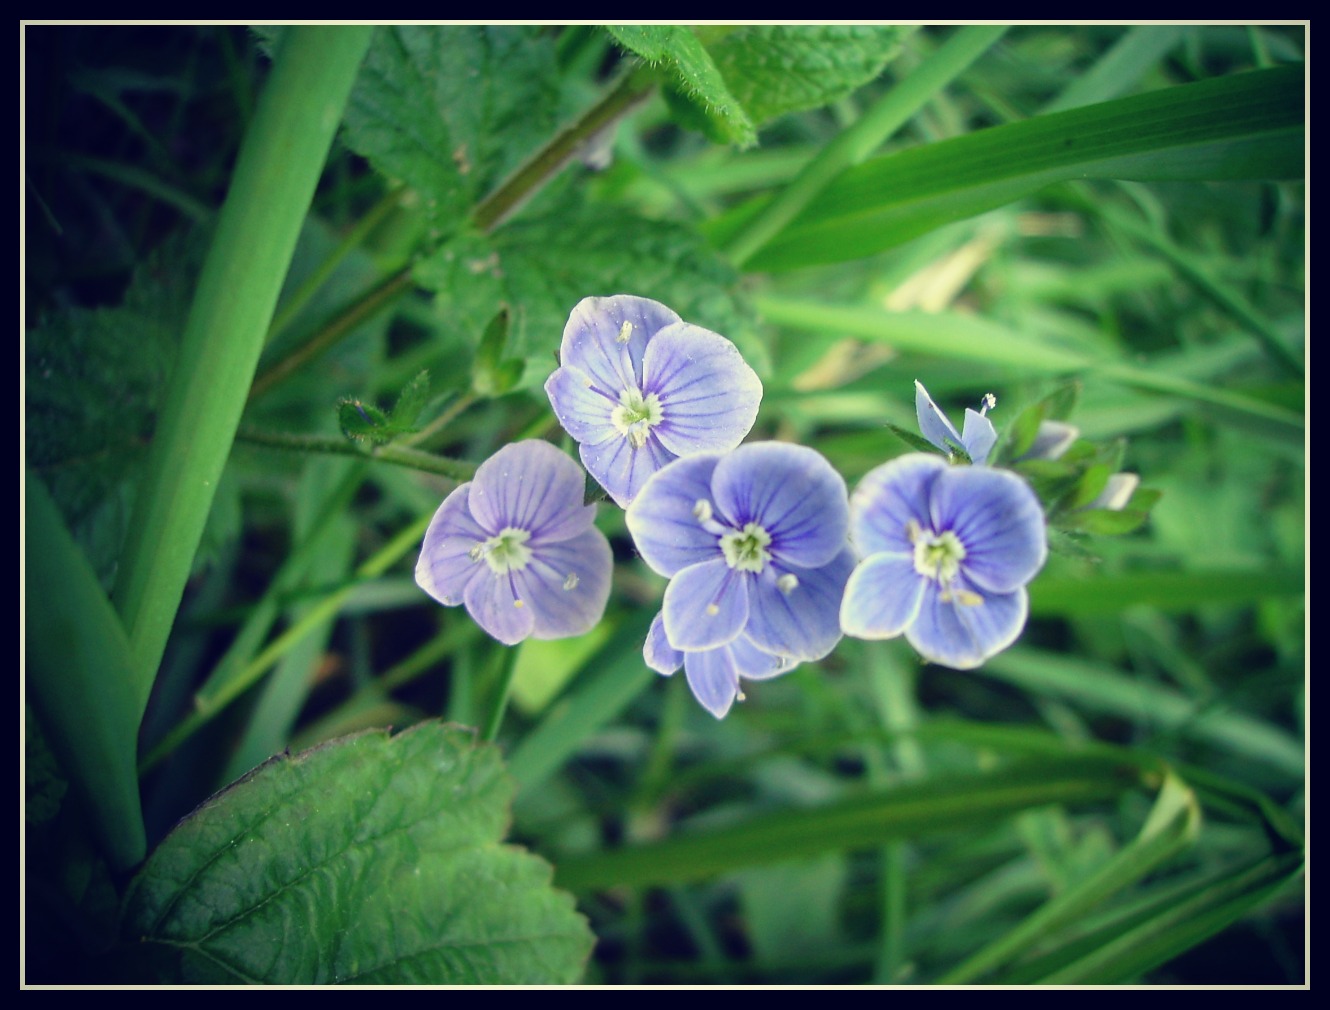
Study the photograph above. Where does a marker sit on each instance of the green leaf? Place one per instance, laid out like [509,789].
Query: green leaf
[449,109]
[43,785]
[775,69]
[411,400]
[375,859]
[684,63]
[540,268]
[1249,126]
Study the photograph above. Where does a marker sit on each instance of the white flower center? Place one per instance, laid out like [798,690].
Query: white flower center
[635,415]
[746,550]
[504,552]
[937,556]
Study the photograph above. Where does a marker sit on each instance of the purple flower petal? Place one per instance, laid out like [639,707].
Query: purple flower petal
[888,499]
[713,678]
[531,486]
[657,651]
[998,520]
[933,424]
[566,584]
[964,634]
[445,566]
[752,663]
[662,520]
[493,604]
[795,612]
[583,410]
[705,606]
[623,469]
[708,395]
[978,436]
[882,597]
[792,492]
[591,339]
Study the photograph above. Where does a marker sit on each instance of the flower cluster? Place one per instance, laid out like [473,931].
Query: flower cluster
[754,545]
[770,561]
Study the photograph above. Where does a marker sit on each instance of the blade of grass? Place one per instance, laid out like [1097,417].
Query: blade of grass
[1120,69]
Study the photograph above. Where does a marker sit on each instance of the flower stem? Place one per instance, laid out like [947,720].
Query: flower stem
[399,455]
[426,434]
[507,667]
[889,114]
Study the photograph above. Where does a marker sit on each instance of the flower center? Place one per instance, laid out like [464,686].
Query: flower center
[635,415]
[506,552]
[746,549]
[937,555]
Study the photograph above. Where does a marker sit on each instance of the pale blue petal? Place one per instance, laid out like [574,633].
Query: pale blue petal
[752,663]
[933,424]
[566,584]
[657,651]
[445,566]
[1117,492]
[1052,440]
[661,519]
[531,486]
[963,635]
[705,606]
[708,395]
[999,521]
[591,339]
[623,469]
[888,499]
[583,410]
[978,436]
[882,597]
[792,492]
[803,623]
[494,605]
[713,679]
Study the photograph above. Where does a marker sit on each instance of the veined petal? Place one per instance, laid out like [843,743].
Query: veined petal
[751,663]
[933,424]
[795,612]
[662,518]
[708,395]
[713,678]
[657,651]
[566,584]
[705,606]
[889,499]
[882,597]
[493,604]
[531,486]
[792,492]
[964,634]
[582,409]
[998,520]
[978,436]
[592,338]
[445,566]
[622,468]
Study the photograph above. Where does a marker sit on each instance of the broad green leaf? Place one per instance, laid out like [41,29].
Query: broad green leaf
[1248,126]
[372,859]
[540,268]
[685,64]
[1166,590]
[449,109]
[775,69]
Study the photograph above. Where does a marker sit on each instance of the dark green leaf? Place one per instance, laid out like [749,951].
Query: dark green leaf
[910,438]
[373,859]
[411,400]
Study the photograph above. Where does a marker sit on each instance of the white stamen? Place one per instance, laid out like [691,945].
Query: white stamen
[571,581]
[787,583]
[625,331]
[712,609]
[702,510]
[988,403]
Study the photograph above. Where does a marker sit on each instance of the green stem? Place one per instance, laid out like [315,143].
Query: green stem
[426,434]
[276,173]
[208,707]
[400,455]
[508,667]
[890,113]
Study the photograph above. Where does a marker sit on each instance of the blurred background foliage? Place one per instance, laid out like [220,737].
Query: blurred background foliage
[1118,798]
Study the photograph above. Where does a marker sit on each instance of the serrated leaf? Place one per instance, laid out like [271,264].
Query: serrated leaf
[448,109]
[541,267]
[775,69]
[372,859]
[685,63]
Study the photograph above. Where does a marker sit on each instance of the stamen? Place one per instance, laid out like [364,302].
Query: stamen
[746,550]
[702,510]
[504,552]
[988,403]
[787,583]
[712,610]
[572,581]
[625,332]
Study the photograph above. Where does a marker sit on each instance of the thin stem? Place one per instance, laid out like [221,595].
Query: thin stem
[889,114]
[426,434]
[399,455]
[508,667]
[276,172]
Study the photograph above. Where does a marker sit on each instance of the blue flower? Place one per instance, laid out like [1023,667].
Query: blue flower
[947,552]
[978,436]
[518,548]
[638,387]
[754,545]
